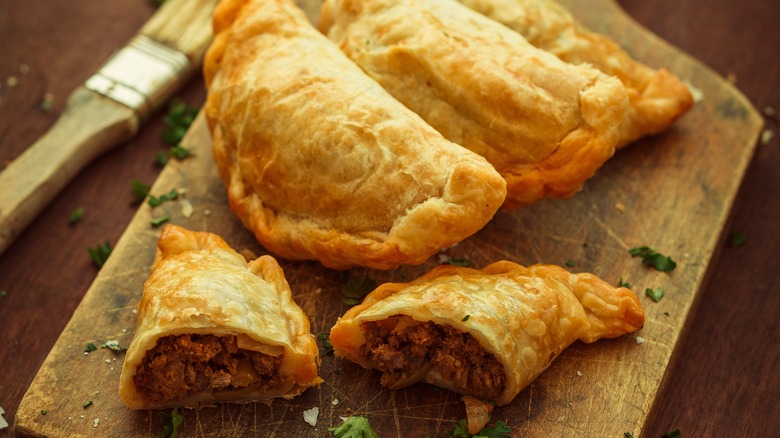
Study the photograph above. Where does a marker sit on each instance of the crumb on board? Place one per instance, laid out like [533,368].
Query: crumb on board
[12,81]
[310,416]
[186,207]
[3,423]
[640,340]
[334,402]
[579,373]
[620,207]
[766,136]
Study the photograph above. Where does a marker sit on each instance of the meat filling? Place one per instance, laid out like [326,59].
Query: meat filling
[182,365]
[405,350]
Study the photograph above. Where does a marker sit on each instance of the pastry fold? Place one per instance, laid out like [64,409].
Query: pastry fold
[484,333]
[546,125]
[320,162]
[657,98]
[213,328]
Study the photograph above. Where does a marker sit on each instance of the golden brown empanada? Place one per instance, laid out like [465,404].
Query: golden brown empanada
[213,328]
[484,333]
[546,125]
[656,97]
[320,161]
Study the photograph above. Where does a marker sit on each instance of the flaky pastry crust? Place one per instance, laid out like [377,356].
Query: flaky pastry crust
[322,163]
[199,285]
[523,316]
[657,98]
[546,125]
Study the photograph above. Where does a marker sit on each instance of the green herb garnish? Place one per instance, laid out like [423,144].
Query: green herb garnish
[500,430]
[673,434]
[113,346]
[655,294]
[100,253]
[76,215]
[90,347]
[324,340]
[651,258]
[354,427]
[570,263]
[457,261]
[628,435]
[161,159]
[140,190]
[172,423]
[44,412]
[155,201]
[737,239]
[159,220]
[624,284]
[355,288]
[180,152]
[178,119]
[466,318]
[3,293]
[87,404]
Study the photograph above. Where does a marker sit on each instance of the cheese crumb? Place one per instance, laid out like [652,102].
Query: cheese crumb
[335,402]
[95,422]
[3,423]
[108,360]
[640,340]
[186,208]
[310,416]
[12,81]
[579,373]
[696,93]
[766,136]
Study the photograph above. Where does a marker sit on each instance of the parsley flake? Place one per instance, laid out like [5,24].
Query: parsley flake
[90,347]
[178,119]
[161,159]
[44,412]
[570,263]
[3,293]
[737,239]
[355,288]
[87,404]
[457,261]
[466,318]
[500,430]
[155,201]
[324,340]
[172,424]
[624,284]
[159,220]
[113,346]
[354,427]
[651,258]
[628,435]
[76,215]
[673,434]
[180,152]
[99,254]
[656,294]
[140,190]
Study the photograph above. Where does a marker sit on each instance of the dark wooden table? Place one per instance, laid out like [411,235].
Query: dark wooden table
[725,381]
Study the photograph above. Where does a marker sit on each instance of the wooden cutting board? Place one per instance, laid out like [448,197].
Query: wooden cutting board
[672,193]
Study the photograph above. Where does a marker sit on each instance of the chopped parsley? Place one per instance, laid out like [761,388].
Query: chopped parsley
[172,424]
[90,347]
[180,152]
[457,261]
[100,253]
[737,239]
[500,430]
[87,404]
[44,412]
[466,318]
[3,293]
[157,2]
[355,288]
[327,347]
[628,435]
[178,119]
[155,201]
[655,294]
[76,215]
[161,159]
[140,190]
[651,258]
[159,220]
[624,284]
[673,434]
[354,427]
[570,263]
[113,346]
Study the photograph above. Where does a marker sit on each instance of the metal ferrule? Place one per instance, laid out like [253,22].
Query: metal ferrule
[142,75]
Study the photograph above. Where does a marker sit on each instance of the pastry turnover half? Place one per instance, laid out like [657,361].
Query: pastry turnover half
[213,328]
[484,333]
[657,97]
[546,125]
[320,162]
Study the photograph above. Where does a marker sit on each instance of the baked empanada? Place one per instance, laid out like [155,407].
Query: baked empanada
[320,161]
[546,125]
[656,97]
[484,333]
[213,328]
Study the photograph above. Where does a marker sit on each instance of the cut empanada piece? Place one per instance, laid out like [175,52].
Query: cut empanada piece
[657,98]
[320,162]
[484,333]
[546,125]
[213,328]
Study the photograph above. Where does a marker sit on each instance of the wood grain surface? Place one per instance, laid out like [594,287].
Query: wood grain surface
[677,190]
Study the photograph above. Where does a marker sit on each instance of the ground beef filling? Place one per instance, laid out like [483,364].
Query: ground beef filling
[182,365]
[404,350]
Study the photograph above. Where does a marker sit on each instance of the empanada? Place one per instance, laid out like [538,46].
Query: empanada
[484,333]
[656,97]
[546,125]
[320,161]
[213,328]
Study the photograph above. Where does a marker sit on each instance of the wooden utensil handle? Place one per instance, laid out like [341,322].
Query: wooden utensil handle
[90,125]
